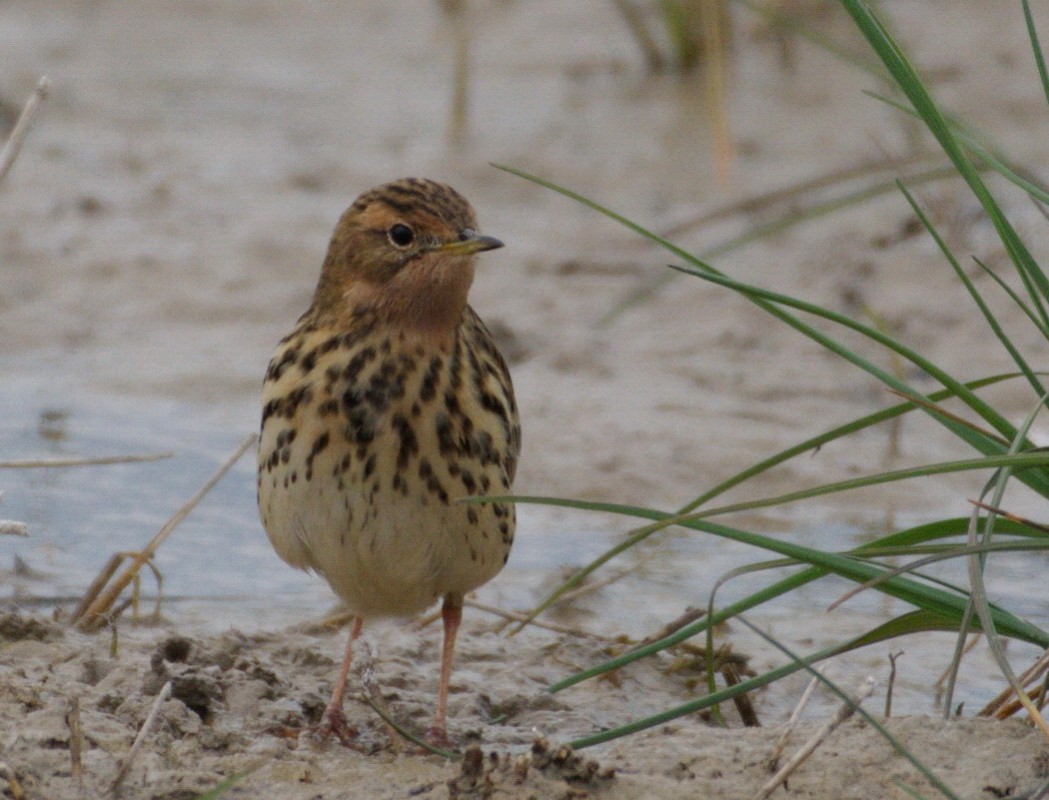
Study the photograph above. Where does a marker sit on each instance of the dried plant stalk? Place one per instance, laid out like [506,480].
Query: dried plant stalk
[846,710]
[21,129]
[136,746]
[792,723]
[93,617]
[76,742]
[47,463]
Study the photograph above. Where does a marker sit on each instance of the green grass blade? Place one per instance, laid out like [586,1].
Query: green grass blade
[1011,174]
[792,24]
[839,432]
[978,598]
[907,79]
[665,520]
[699,626]
[705,270]
[936,555]
[982,151]
[749,685]
[992,322]
[227,784]
[870,720]
[1018,461]
[784,223]
[907,790]
[715,698]
[979,441]
[1027,460]
[640,534]
[893,545]
[939,529]
[913,536]
[1036,48]
[626,223]
[1044,331]
[915,622]
[847,566]
[680,28]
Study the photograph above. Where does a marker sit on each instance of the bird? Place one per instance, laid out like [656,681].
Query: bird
[386,404]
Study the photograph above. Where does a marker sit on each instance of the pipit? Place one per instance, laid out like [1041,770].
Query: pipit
[387,403]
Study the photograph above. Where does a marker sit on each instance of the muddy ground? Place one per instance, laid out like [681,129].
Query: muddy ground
[239,704]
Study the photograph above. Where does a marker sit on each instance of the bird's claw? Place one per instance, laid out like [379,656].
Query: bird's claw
[437,735]
[334,724]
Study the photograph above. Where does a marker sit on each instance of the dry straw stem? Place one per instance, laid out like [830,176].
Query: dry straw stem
[791,196]
[46,463]
[514,616]
[892,682]
[21,129]
[9,527]
[714,18]
[792,723]
[76,742]
[744,707]
[973,641]
[687,617]
[111,620]
[1026,678]
[1014,706]
[97,585]
[981,608]
[13,786]
[844,712]
[592,586]
[373,697]
[102,579]
[635,21]
[510,616]
[93,617]
[459,13]
[151,719]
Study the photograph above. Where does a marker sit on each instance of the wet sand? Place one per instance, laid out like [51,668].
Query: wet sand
[239,703]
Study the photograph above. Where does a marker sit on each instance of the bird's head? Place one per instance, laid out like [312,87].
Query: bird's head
[403,251]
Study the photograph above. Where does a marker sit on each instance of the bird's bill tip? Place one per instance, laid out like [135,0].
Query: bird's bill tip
[473,243]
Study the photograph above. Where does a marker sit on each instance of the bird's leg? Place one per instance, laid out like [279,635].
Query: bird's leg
[333,721]
[452,614]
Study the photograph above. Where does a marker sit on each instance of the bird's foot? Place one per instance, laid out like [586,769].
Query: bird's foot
[334,723]
[437,735]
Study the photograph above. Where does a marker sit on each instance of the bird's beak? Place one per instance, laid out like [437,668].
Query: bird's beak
[473,243]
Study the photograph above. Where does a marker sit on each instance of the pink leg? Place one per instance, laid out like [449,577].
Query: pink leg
[333,721]
[452,614]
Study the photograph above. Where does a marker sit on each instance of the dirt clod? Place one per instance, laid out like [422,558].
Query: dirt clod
[554,771]
[15,627]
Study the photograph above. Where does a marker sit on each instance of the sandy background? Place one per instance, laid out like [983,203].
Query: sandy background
[238,701]
[164,227]
[235,696]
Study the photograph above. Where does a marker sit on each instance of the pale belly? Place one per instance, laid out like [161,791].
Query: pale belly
[361,485]
[382,552]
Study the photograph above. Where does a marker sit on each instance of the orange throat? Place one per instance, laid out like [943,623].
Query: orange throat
[427,297]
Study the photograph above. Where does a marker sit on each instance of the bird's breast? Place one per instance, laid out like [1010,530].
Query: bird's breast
[368,441]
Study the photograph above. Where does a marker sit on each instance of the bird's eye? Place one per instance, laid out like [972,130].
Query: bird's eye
[401,235]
